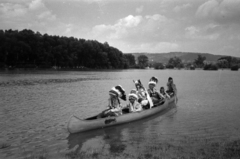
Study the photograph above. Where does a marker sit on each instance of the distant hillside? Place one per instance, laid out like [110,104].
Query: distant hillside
[184,56]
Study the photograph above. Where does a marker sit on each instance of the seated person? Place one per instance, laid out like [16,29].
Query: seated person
[142,96]
[171,87]
[156,97]
[133,105]
[163,93]
[114,105]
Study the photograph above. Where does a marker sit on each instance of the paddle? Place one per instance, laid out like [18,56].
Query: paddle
[148,96]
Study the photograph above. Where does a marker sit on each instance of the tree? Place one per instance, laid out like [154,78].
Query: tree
[26,48]
[199,62]
[142,61]
[158,66]
[175,62]
[130,59]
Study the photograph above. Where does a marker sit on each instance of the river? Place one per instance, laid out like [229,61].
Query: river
[35,107]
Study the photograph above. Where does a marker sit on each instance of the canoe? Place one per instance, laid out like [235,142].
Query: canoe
[76,124]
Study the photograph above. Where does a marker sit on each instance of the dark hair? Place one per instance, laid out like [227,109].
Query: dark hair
[170,78]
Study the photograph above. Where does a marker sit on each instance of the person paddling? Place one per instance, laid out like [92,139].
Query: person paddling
[114,104]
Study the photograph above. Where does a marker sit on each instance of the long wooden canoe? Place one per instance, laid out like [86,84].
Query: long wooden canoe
[76,125]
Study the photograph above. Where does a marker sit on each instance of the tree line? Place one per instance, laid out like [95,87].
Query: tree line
[200,62]
[28,49]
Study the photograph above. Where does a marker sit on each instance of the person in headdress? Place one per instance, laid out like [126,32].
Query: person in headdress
[133,105]
[142,94]
[152,91]
[114,103]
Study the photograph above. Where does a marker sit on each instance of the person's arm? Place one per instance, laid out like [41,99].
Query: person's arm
[109,103]
[167,95]
[161,95]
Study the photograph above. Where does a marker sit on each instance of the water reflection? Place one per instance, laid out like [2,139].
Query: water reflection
[119,139]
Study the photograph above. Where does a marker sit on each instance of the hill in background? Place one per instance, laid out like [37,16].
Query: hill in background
[184,56]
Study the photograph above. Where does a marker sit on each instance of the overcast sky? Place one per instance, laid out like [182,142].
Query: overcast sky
[155,26]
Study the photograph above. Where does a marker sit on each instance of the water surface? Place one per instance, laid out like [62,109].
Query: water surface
[35,108]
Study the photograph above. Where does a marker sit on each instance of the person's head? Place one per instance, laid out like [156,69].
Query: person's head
[162,89]
[133,96]
[113,94]
[118,92]
[170,79]
[138,84]
[152,82]
[151,85]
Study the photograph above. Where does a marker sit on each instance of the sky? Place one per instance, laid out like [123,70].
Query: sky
[152,26]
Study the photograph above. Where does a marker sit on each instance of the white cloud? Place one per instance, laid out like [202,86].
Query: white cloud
[130,21]
[139,9]
[132,27]
[119,29]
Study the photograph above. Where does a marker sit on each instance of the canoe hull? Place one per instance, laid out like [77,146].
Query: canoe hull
[76,125]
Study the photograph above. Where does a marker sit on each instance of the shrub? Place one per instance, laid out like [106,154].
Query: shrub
[234,68]
[210,67]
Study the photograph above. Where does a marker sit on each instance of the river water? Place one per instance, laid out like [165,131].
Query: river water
[35,107]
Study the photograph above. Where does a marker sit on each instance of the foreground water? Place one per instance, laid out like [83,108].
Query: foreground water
[35,108]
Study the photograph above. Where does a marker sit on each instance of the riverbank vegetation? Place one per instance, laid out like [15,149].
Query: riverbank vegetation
[28,49]
[226,62]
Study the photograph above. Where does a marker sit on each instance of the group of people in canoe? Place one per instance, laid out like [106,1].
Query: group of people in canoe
[139,98]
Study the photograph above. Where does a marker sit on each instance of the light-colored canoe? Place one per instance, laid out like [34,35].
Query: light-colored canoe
[76,125]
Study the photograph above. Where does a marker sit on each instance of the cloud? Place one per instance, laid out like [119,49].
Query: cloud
[119,29]
[36,4]
[181,7]
[224,11]
[205,33]
[26,14]
[132,27]
[9,10]
[139,9]
[47,15]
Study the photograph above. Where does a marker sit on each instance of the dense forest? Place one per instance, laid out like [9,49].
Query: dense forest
[28,49]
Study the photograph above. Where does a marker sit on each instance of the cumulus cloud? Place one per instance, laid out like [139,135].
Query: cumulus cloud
[120,28]
[131,26]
